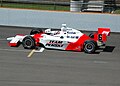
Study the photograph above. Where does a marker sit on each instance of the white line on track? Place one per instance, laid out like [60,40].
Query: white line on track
[39,51]
[33,51]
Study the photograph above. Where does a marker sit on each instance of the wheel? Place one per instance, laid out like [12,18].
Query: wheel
[35,31]
[28,42]
[91,35]
[90,46]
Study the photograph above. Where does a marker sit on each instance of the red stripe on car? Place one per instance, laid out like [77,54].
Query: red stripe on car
[78,45]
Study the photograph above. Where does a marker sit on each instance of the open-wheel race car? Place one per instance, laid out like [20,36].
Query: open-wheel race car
[62,39]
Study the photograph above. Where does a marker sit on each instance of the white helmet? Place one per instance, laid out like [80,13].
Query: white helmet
[64,28]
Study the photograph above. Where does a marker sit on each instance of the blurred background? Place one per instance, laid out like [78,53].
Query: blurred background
[109,6]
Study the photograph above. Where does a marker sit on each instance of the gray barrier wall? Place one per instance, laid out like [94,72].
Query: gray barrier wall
[47,19]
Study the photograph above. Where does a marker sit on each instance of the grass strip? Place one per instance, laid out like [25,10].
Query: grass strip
[36,6]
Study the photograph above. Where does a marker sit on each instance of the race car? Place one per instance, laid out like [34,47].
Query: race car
[64,38]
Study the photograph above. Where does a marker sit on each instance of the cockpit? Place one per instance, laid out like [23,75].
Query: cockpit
[64,32]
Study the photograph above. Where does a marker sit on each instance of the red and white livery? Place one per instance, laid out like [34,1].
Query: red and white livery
[63,39]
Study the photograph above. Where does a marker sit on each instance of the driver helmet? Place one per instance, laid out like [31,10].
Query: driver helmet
[64,28]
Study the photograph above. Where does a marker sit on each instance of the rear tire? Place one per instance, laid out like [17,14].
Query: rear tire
[90,46]
[28,42]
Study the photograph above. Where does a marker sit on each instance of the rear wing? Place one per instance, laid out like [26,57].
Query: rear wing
[102,34]
[104,31]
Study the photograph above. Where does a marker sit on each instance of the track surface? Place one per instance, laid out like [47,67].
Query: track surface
[58,68]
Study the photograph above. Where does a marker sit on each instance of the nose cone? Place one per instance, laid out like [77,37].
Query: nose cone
[10,38]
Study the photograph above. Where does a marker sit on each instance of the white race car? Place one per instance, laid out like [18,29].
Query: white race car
[63,39]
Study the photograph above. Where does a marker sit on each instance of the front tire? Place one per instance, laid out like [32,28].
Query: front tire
[90,46]
[28,42]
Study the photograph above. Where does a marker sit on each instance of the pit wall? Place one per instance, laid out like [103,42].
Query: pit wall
[54,19]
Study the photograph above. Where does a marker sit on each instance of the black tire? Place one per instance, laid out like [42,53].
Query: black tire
[91,35]
[90,46]
[35,31]
[28,42]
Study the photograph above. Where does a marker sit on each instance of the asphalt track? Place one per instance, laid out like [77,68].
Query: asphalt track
[58,68]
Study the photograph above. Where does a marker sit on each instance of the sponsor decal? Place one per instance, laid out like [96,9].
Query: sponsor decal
[105,32]
[73,37]
[100,37]
[71,32]
[53,43]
